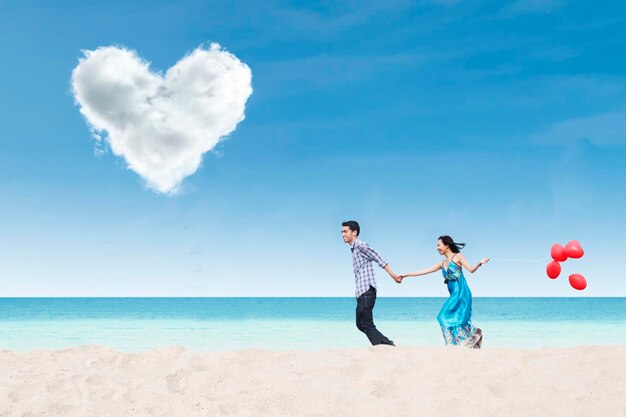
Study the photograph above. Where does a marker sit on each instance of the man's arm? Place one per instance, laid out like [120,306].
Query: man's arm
[392,274]
[372,255]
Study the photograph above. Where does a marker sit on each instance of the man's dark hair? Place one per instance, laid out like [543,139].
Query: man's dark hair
[352,225]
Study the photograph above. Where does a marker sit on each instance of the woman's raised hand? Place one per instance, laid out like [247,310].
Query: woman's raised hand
[484,261]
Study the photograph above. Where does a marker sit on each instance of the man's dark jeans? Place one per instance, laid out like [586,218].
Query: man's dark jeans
[365,319]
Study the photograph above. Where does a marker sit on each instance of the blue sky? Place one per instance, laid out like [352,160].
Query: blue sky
[502,124]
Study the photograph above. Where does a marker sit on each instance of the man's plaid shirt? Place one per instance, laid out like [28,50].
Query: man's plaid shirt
[362,258]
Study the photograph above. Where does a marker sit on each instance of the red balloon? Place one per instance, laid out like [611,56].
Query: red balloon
[553,269]
[574,250]
[558,253]
[578,282]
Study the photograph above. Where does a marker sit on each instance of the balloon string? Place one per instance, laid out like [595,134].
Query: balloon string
[519,260]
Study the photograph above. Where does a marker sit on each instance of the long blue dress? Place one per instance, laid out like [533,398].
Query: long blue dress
[455,317]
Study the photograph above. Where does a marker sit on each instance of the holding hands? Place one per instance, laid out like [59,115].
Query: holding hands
[392,274]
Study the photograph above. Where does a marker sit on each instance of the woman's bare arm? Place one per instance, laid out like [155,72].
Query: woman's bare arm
[430,270]
[461,260]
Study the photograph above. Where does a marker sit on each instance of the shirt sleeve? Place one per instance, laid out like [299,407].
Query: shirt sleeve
[371,255]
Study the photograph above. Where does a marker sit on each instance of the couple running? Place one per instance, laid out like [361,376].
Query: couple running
[455,317]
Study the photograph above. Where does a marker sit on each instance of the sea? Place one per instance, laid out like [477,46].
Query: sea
[310,324]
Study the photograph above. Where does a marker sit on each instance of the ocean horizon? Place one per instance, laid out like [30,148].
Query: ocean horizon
[134,324]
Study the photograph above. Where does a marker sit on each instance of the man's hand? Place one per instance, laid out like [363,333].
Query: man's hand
[392,274]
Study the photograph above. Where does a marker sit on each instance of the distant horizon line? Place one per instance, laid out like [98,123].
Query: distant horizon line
[295,297]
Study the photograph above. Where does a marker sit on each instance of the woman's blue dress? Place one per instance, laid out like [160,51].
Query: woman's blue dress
[455,317]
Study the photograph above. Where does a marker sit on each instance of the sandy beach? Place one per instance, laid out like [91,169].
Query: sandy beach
[376,381]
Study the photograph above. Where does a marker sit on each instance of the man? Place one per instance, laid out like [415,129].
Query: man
[362,258]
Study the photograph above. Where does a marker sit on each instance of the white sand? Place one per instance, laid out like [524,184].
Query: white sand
[379,381]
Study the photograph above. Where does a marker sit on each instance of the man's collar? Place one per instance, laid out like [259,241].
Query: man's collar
[353,244]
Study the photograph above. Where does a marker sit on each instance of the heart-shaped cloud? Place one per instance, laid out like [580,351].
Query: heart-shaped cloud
[162,124]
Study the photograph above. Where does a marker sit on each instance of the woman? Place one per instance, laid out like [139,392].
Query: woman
[455,317]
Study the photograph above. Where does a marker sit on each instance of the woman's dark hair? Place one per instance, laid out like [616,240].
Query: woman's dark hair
[454,246]
[352,225]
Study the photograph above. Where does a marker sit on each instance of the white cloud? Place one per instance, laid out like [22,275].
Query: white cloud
[602,130]
[162,124]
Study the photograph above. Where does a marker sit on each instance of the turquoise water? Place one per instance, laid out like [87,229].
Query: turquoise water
[220,324]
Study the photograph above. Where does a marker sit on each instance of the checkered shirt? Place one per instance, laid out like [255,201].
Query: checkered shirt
[362,258]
